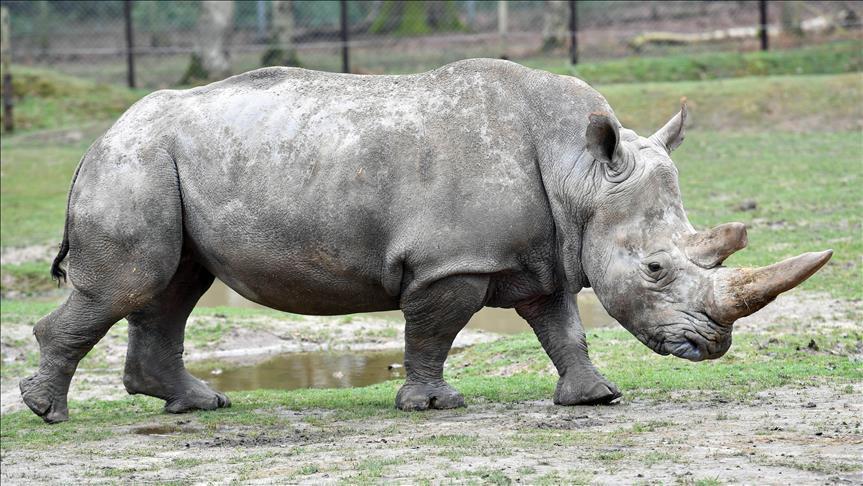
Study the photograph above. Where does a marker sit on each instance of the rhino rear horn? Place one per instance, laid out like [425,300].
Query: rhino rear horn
[710,248]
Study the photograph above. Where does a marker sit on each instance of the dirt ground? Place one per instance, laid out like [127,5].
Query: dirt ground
[247,340]
[786,436]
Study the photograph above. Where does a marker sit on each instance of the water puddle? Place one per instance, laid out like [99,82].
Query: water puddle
[501,321]
[290,371]
[328,369]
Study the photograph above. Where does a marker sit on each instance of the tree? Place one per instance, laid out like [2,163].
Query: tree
[215,26]
[555,16]
[401,17]
[281,51]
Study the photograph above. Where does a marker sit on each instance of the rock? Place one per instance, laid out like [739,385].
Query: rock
[747,205]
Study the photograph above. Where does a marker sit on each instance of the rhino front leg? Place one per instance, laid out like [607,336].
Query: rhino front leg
[555,321]
[154,359]
[433,318]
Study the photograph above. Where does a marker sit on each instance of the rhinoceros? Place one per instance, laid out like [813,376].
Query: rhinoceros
[481,183]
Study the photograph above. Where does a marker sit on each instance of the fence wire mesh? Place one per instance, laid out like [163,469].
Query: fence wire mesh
[183,42]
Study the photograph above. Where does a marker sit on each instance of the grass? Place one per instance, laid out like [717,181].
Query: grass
[807,188]
[35,183]
[792,144]
[836,57]
[45,99]
[208,326]
[796,135]
[839,57]
[750,367]
[811,104]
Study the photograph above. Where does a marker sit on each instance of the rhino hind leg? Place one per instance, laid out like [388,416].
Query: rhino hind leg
[99,299]
[154,359]
[65,336]
[556,323]
[124,240]
[433,318]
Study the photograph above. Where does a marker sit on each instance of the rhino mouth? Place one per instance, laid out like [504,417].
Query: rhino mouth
[697,338]
[686,348]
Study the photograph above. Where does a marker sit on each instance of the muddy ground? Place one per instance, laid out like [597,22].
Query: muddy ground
[798,436]
[785,435]
[246,340]
[235,341]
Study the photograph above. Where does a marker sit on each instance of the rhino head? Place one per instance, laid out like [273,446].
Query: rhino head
[661,279]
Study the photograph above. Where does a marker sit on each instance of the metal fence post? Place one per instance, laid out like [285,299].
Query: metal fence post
[262,20]
[346,60]
[573,31]
[6,54]
[130,43]
[762,28]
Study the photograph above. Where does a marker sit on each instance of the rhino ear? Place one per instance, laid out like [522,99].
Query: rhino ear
[672,134]
[602,137]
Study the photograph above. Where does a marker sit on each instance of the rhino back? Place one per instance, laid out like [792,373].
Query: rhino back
[326,193]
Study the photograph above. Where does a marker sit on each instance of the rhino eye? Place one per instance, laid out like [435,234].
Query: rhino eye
[657,267]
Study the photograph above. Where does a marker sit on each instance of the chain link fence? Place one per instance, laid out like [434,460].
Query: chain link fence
[186,42]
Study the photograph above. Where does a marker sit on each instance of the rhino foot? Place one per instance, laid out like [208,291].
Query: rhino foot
[181,395]
[585,390]
[198,396]
[36,391]
[422,396]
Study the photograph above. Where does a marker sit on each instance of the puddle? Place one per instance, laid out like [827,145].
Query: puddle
[321,369]
[162,429]
[327,369]
[502,321]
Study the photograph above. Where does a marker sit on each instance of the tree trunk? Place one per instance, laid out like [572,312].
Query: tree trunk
[554,24]
[405,18]
[281,51]
[215,25]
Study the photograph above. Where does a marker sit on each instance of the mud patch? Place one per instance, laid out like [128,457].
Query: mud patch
[321,352]
[778,438]
[165,429]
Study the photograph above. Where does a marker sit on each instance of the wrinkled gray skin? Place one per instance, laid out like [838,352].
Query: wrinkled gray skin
[481,183]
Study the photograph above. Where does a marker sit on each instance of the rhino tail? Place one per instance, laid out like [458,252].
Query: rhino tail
[57,272]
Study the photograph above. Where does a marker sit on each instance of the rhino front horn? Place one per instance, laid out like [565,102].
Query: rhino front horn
[739,292]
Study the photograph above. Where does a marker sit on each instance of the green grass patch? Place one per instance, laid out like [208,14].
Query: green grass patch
[46,99]
[26,279]
[765,105]
[751,366]
[808,190]
[483,475]
[35,184]
[838,57]
[24,311]
[744,146]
